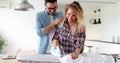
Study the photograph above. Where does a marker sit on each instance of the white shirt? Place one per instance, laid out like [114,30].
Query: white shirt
[50,35]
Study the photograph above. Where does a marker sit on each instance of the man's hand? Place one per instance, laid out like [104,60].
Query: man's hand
[58,20]
[82,29]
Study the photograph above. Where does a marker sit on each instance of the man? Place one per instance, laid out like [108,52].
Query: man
[45,23]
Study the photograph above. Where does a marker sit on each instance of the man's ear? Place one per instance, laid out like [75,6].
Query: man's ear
[45,4]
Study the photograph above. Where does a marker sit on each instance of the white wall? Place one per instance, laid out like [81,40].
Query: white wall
[109,22]
[109,28]
[118,18]
[18,27]
[92,30]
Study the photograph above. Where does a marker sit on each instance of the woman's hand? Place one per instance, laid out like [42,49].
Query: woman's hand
[55,43]
[74,55]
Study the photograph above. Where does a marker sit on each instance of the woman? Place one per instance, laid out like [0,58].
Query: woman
[68,34]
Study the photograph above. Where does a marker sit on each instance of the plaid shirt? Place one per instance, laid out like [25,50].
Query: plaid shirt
[68,40]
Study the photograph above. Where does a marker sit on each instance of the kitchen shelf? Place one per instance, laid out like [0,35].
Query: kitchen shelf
[101,41]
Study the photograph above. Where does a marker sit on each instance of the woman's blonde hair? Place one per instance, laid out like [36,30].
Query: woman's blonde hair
[79,13]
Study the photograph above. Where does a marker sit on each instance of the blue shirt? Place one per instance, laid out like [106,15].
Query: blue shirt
[43,20]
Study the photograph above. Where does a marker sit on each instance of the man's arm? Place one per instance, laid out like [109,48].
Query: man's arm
[48,28]
[40,19]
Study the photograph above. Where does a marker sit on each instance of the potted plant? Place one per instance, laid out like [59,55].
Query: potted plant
[2,43]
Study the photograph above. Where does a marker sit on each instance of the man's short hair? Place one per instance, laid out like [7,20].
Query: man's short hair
[50,1]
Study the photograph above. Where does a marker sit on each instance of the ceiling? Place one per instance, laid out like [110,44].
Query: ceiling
[89,4]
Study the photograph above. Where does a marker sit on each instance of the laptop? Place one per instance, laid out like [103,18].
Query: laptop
[11,56]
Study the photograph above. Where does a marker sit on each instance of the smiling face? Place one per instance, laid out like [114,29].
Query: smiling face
[51,8]
[71,15]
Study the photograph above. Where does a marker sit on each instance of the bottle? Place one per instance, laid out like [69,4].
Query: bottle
[118,39]
[113,39]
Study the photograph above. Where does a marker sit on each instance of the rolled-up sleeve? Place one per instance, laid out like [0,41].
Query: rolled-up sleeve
[80,40]
[39,25]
